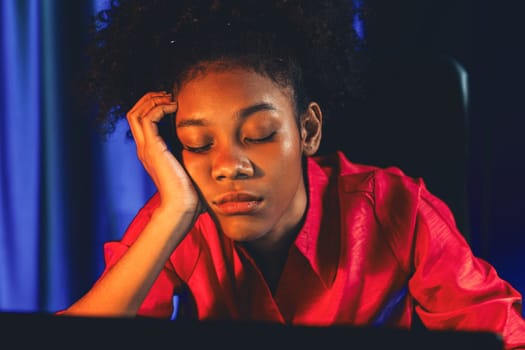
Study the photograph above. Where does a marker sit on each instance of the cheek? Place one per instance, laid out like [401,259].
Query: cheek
[291,145]
[283,161]
[280,155]
[196,167]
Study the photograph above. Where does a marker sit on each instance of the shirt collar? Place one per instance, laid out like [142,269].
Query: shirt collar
[319,238]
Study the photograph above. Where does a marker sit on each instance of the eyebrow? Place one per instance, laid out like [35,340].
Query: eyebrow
[242,114]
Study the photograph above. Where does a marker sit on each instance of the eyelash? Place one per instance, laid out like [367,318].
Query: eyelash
[262,139]
[205,148]
[201,149]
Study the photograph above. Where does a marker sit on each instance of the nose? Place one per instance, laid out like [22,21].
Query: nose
[232,163]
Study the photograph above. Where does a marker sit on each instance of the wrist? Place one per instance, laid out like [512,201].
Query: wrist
[173,220]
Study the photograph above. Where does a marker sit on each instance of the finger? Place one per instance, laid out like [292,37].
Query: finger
[150,120]
[144,109]
[146,99]
[145,103]
[139,110]
[136,128]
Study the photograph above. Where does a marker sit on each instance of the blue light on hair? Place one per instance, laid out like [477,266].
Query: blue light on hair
[358,22]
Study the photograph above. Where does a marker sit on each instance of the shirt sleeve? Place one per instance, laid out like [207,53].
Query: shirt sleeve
[452,288]
[159,300]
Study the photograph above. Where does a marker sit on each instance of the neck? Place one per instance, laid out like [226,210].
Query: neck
[271,258]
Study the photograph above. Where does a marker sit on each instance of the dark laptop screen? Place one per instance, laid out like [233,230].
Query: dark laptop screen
[21,330]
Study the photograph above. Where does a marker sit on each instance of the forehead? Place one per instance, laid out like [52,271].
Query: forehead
[229,91]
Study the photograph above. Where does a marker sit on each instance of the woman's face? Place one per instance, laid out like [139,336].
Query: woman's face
[243,149]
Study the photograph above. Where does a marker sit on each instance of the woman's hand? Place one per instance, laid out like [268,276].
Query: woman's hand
[178,195]
[122,289]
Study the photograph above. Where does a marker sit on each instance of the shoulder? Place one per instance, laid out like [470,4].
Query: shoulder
[400,204]
[387,199]
[394,197]
[385,184]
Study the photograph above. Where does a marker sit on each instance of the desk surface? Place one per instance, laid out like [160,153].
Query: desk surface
[21,330]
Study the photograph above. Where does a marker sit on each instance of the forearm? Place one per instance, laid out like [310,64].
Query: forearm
[121,291]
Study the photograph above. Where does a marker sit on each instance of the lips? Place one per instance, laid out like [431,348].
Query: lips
[237,203]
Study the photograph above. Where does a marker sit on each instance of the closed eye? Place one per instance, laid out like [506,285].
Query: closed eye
[262,139]
[200,149]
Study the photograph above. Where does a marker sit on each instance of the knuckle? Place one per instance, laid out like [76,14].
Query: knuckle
[133,116]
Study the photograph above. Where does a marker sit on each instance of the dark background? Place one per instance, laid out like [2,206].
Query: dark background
[486,38]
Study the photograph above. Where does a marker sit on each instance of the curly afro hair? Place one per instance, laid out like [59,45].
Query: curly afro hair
[139,46]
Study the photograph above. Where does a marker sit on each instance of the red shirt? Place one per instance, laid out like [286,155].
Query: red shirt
[375,247]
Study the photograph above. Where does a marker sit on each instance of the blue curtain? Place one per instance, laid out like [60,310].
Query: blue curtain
[63,192]
[21,74]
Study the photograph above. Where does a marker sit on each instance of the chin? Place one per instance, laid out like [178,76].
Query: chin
[243,232]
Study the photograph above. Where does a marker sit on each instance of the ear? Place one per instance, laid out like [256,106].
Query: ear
[311,123]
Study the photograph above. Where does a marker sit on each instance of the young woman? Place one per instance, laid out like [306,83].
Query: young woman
[249,223]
